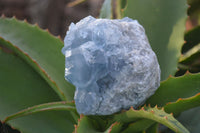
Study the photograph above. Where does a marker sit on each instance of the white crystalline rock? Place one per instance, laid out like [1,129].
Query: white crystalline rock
[111,64]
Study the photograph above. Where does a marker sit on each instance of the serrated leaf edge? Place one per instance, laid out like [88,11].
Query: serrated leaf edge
[183,100]
[33,63]
[145,110]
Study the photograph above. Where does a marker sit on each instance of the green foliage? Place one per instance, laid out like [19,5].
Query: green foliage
[39,49]
[190,119]
[174,88]
[114,128]
[191,51]
[164,23]
[183,104]
[191,39]
[43,107]
[139,126]
[21,87]
[35,97]
[154,114]
[194,10]
[153,129]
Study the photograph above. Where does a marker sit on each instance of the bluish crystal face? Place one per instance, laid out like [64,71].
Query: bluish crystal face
[111,64]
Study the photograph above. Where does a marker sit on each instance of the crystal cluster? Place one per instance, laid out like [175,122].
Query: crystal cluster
[111,64]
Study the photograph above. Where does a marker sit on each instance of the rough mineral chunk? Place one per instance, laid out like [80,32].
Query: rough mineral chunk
[111,64]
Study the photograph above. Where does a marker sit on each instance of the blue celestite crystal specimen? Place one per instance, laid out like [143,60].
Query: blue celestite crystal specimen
[111,64]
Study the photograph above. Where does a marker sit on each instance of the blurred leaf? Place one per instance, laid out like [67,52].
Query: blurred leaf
[194,10]
[5,128]
[191,38]
[164,23]
[191,2]
[183,104]
[120,5]
[112,9]
[139,126]
[191,60]
[106,10]
[75,2]
[39,49]
[21,87]
[153,128]
[123,4]
[191,119]
[174,88]
[154,114]
[67,106]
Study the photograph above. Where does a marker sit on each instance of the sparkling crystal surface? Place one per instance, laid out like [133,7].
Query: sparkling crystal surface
[111,64]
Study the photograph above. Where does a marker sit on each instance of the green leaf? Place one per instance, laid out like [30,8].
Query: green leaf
[191,38]
[139,126]
[174,88]
[106,10]
[21,87]
[164,22]
[192,2]
[190,61]
[86,125]
[153,128]
[43,107]
[194,10]
[154,114]
[123,4]
[191,119]
[93,124]
[176,107]
[114,128]
[183,104]
[39,49]
[178,94]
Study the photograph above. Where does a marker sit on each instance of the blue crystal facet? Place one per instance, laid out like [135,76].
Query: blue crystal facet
[111,64]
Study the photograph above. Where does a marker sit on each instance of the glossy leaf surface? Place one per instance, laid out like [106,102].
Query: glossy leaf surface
[154,114]
[40,49]
[164,23]
[174,88]
[21,87]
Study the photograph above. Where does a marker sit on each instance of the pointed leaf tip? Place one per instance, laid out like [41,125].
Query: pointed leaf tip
[36,24]
[25,20]
[187,72]
[2,15]
[152,112]
[81,116]
[132,108]
[13,17]
[47,30]
[142,108]
[179,99]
